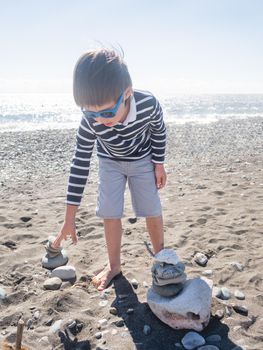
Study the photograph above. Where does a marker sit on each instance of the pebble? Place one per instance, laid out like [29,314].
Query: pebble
[200,259]
[102,323]
[214,338]
[219,314]
[65,273]
[53,283]
[25,218]
[2,294]
[216,292]
[134,283]
[207,273]
[241,310]
[113,310]
[228,310]
[98,335]
[239,295]
[145,284]
[147,329]
[132,220]
[114,332]
[208,347]
[36,315]
[225,293]
[51,263]
[29,324]
[192,340]
[56,326]
[119,323]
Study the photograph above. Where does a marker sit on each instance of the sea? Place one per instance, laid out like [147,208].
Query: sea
[23,112]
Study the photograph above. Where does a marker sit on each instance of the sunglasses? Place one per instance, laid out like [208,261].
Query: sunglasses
[106,113]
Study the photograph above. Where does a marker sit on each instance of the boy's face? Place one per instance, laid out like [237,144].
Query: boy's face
[120,115]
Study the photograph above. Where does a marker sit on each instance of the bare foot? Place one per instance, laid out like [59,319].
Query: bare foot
[102,280]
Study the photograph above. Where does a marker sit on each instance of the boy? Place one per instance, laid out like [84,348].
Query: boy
[128,128]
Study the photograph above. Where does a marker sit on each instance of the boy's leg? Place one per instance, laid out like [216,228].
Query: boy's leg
[113,233]
[155,229]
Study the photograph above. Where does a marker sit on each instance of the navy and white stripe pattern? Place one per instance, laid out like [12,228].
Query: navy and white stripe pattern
[145,135]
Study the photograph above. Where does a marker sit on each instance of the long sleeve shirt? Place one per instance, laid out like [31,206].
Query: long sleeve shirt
[144,134]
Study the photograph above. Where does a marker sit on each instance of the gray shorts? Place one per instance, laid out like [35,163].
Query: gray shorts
[113,175]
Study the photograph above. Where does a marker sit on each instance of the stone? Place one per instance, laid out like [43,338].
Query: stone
[29,323]
[167,256]
[239,267]
[146,329]
[53,283]
[51,263]
[102,323]
[164,282]
[134,283]
[216,292]
[65,273]
[241,310]
[56,326]
[239,295]
[192,340]
[213,338]
[207,273]
[103,303]
[208,347]
[168,290]
[167,271]
[113,310]
[119,323]
[225,293]
[200,259]
[190,309]
[98,335]
[219,314]
[145,284]
[36,315]
[2,294]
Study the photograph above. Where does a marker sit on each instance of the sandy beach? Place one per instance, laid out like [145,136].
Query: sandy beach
[212,203]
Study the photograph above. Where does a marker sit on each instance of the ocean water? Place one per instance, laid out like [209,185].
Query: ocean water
[21,112]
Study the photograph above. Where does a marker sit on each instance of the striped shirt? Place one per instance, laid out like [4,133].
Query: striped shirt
[144,135]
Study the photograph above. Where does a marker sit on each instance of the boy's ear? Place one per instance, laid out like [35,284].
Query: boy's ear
[128,93]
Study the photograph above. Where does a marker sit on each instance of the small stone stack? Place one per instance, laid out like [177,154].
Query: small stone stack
[54,257]
[168,273]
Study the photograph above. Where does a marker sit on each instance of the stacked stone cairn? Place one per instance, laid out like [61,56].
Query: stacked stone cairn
[168,276]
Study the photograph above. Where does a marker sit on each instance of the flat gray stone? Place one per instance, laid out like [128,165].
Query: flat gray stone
[163,282]
[163,270]
[225,293]
[192,340]
[55,326]
[167,256]
[66,273]
[53,283]
[51,263]
[168,290]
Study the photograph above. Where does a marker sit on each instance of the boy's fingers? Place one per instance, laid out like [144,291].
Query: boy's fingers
[74,238]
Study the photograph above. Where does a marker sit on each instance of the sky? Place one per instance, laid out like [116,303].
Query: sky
[170,46]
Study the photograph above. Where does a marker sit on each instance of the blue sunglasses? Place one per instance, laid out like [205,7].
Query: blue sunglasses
[106,113]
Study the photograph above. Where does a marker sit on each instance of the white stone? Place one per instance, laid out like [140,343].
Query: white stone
[207,273]
[56,326]
[190,309]
[65,273]
[167,256]
[2,293]
[239,295]
[191,340]
[200,259]
[225,293]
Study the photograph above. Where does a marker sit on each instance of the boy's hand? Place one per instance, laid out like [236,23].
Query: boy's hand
[160,175]
[68,229]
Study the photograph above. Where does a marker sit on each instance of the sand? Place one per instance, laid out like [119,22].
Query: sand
[212,203]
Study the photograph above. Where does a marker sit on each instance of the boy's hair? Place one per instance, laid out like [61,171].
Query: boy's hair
[100,77]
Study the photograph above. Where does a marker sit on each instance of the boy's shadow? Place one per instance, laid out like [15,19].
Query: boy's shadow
[162,337]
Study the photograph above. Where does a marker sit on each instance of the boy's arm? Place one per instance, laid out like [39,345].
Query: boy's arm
[158,144]
[79,170]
